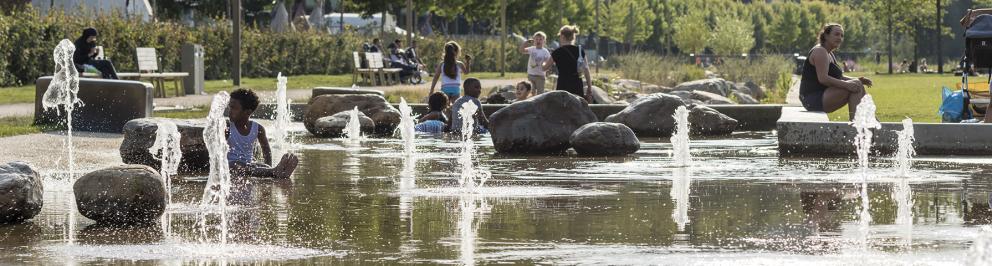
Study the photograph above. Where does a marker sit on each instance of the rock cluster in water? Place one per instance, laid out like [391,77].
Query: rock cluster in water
[332,126]
[21,192]
[139,135]
[651,116]
[604,138]
[126,194]
[385,117]
[541,124]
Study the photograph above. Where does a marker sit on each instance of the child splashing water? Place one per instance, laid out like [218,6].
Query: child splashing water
[242,134]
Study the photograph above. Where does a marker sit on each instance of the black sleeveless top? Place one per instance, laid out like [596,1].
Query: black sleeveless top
[810,84]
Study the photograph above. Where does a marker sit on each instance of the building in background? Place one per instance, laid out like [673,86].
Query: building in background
[126,8]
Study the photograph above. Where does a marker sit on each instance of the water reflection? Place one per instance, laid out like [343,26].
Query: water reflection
[371,204]
[680,195]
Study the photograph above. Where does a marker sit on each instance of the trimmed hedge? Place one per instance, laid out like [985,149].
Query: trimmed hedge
[27,40]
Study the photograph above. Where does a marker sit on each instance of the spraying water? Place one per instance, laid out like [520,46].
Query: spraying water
[680,194]
[470,178]
[406,127]
[282,120]
[167,150]
[680,140]
[62,92]
[905,153]
[864,122]
[981,249]
[353,129]
[901,191]
[219,180]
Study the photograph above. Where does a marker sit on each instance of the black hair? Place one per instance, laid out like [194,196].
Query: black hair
[450,64]
[526,84]
[247,98]
[437,101]
[87,32]
[375,40]
[471,83]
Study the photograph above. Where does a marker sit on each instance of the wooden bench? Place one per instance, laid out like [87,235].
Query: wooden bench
[387,76]
[148,65]
[366,75]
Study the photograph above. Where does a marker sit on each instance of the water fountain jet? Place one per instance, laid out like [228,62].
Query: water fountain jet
[864,122]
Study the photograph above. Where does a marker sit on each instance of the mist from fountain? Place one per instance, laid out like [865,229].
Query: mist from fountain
[62,94]
[167,150]
[680,138]
[353,129]
[406,127]
[219,179]
[282,120]
[680,195]
[864,122]
[471,178]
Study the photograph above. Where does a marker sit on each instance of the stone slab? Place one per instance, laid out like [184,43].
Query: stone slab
[808,134]
[752,117]
[107,104]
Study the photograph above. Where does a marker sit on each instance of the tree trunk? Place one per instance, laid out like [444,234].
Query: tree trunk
[890,35]
[940,52]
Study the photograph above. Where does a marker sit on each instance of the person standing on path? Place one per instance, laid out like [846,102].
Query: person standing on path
[450,71]
[538,55]
[570,61]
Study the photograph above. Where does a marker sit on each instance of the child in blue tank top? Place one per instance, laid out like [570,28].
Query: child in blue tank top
[242,134]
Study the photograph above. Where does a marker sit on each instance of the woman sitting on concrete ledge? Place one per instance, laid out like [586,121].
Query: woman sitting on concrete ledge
[824,88]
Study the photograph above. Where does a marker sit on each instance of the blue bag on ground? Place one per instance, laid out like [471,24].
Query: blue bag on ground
[952,108]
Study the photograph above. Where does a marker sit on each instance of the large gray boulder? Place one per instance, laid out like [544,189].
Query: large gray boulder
[716,86]
[126,194]
[21,192]
[332,126]
[744,98]
[600,96]
[650,115]
[708,121]
[539,125]
[710,98]
[604,138]
[139,135]
[753,89]
[385,116]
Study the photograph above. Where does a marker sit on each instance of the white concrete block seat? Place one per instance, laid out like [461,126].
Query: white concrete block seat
[107,104]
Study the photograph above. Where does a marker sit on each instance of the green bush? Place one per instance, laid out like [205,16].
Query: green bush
[27,40]
[764,71]
[655,69]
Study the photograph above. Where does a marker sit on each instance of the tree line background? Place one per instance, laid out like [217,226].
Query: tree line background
[722,27]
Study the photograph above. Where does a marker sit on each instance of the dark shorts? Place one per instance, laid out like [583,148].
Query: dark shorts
[812,101]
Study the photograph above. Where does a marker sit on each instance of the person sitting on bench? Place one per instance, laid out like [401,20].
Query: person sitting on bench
[86,52]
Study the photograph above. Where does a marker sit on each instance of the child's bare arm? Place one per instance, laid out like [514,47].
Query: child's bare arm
[264,142]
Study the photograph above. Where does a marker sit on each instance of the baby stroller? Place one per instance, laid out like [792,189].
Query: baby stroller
[978,55]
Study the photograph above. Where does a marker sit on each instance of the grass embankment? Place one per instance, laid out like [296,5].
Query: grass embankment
[899,96]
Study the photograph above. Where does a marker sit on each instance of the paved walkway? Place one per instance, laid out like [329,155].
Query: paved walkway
[302,95]
[792,97]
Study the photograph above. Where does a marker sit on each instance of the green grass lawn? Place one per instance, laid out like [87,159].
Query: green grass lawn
[20,125]
[899,96]
[25,94]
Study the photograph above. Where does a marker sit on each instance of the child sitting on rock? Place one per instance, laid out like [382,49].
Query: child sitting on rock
[242,134]
[473,88]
